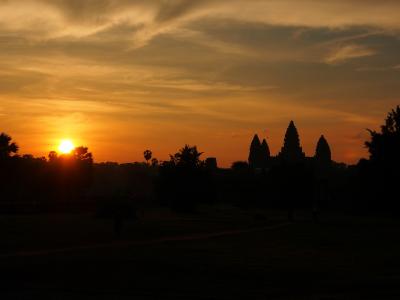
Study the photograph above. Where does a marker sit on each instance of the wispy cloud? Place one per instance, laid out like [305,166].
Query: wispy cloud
[347,52]
[143,69]
[55,18]
[378,69]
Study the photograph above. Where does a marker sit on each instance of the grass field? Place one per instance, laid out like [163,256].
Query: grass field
[166,256]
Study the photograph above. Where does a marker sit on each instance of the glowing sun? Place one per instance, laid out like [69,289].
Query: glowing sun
[66,146]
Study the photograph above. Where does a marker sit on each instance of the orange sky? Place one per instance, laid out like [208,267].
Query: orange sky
[124,76]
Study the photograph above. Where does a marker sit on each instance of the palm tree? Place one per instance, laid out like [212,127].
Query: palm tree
[6,146]
[147,155]
[187,157]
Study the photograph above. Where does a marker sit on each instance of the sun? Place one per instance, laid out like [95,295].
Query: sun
[66,146]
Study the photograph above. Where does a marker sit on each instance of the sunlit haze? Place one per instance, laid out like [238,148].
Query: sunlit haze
[66,146]
[124,76]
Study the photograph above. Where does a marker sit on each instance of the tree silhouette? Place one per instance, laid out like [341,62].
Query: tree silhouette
[9,175]
[384,146]
[81,154]
[147,155]
[72,173]
[184,181]
[188,157]
[7,148]
[154,162]
[381,173]
[53,156]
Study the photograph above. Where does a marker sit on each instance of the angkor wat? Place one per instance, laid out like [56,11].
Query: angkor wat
[291,151]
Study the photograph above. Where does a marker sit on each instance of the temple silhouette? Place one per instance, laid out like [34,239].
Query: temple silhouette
[291,152]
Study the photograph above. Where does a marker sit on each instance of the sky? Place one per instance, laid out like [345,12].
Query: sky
[121,76]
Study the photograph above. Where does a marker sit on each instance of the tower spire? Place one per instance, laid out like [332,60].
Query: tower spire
[323,151]
[291,151]
[255,149]
[265,154]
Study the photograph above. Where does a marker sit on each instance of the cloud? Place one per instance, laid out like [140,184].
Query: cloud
[348,52]
[55,18]
[379,68]
[195,68]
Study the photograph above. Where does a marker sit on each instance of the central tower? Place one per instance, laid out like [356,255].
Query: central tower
[291,151]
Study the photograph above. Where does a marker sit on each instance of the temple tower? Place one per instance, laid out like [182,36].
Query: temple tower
[323,151]
[291,151]
[265,154]
[255,150]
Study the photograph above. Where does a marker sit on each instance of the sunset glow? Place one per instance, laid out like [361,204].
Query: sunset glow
[157,74]
[66,146]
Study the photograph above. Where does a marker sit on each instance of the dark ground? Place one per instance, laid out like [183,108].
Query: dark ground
[169,257]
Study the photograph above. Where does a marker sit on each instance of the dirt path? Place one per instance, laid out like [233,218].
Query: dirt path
[193,237]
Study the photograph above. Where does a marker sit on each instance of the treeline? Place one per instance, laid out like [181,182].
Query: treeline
[39,184]
[72,182]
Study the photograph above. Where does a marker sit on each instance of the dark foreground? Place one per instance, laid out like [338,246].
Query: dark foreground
[220,256]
